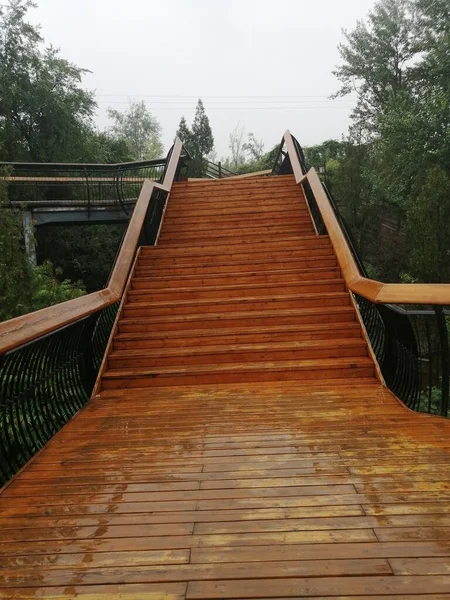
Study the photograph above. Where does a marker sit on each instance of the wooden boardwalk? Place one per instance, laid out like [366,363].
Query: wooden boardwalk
[240,491]
[240,443]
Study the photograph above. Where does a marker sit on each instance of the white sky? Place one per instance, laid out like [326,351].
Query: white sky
[260,63]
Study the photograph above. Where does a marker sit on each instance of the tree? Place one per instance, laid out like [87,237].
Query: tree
[139,129]
[433,35]
[15,269]
[44,113]
[254,147]
[81,252]
[199,141]
[400,62]
[377,59]
[25,287]
[202,139]
[184,133]
[428,228]
[236,145]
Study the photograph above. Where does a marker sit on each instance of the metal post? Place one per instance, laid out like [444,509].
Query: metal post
[87,367]
[445,371]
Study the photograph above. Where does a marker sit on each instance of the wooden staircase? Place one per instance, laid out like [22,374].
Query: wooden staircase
[239,289]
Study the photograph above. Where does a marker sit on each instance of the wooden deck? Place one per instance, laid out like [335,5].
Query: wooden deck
[240,443]
[240,491]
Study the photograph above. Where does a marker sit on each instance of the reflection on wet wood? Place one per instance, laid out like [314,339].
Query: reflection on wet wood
[253,490]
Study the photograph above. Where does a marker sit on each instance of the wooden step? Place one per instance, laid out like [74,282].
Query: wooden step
[290,214]
[299,370]
[231,183]
[273,276]
[183,225]
[236,182]
[232,256]
[236,291]
[223,210]
[312,242]
[256,318]
[239,267]
[237,353]
[236,335]
[258,180]
[231,239]
[239,289]
[245,303]
[233,235]
[274,195]
[218,185]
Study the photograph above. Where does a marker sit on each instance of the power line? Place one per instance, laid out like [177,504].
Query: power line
[167,96]
[229,108]
[224,103]
[228,99]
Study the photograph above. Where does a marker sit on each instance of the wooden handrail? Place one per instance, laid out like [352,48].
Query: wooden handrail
[375,291]
[26,328]
[295,163]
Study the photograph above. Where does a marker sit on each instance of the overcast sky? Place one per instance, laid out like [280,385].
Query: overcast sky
[260,63]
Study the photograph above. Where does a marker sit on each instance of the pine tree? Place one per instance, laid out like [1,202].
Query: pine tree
[198,140]
[184,133]
[202,137]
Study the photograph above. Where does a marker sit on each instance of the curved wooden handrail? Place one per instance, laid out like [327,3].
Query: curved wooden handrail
[26,328]
[375,291]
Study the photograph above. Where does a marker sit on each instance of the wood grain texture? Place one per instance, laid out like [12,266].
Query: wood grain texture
[269,490]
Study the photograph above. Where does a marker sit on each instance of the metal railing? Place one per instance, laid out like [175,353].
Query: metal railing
[90,186]
[410,342]
[46,378]
[78,185]
[217,171]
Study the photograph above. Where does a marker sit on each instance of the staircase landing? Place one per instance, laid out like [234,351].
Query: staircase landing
[237,491]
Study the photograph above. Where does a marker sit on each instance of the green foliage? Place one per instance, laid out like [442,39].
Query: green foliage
[25,287]
[399,65]
[184,133]
[49,288]
[198,140]
[16,273]
[81,252]
[140,131]
[377,59]
[44,113]
[431,401]
[428,228]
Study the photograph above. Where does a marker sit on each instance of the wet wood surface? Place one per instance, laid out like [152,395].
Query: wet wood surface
[241,445]
[267,490]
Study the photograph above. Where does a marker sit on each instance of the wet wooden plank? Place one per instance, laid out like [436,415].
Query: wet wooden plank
[289,552]
[328,586]
[157,591]
[421,566]
[129,544]
[196,572]
[182,516]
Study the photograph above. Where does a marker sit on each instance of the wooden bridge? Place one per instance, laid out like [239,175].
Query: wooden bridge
[241,441]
